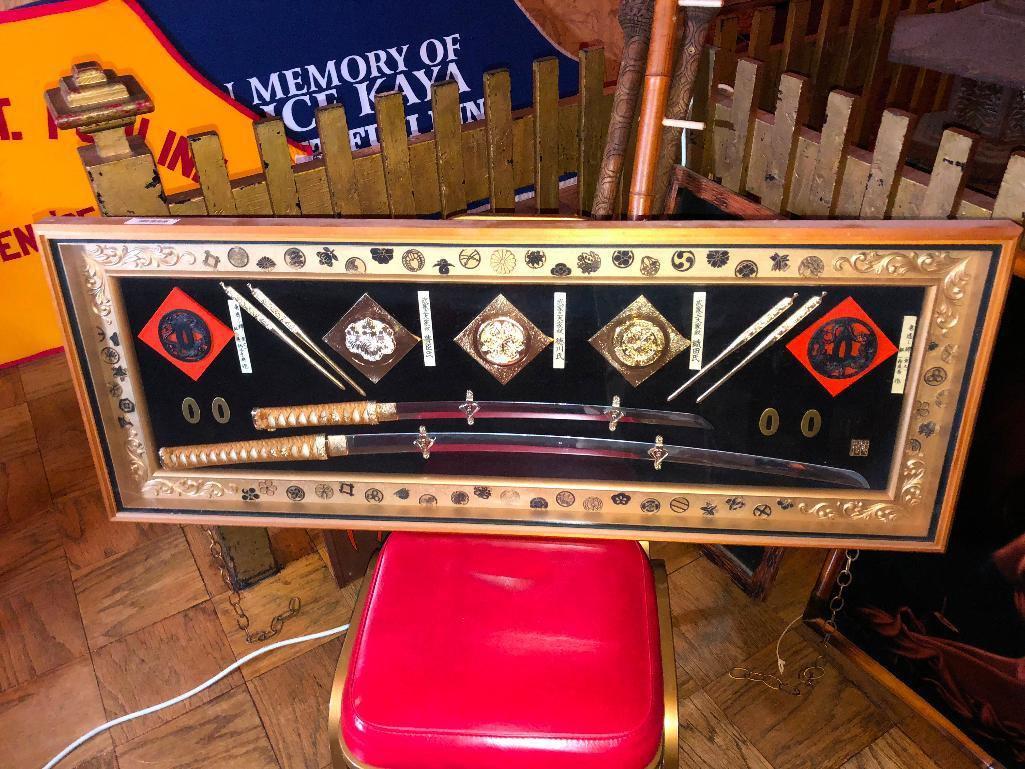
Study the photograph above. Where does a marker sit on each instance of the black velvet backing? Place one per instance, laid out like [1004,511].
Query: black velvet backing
[776,379]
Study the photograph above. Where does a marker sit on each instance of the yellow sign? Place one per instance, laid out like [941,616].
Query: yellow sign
[40,171]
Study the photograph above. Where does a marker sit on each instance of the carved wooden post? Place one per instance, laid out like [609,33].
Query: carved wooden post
[121,169]
[124,179]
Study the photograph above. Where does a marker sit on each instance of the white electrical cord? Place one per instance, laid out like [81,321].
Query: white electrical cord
[192,692]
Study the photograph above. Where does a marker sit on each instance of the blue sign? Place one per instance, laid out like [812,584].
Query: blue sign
[287,59]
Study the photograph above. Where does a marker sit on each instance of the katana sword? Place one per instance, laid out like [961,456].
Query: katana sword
[372,413]
[322,447]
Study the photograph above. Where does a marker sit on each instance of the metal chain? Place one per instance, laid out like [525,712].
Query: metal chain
[235,598]
[812,674]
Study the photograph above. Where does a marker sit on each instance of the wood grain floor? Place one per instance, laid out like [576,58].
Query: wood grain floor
[98,619]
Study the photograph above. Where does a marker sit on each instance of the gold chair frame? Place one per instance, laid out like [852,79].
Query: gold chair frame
[668,754]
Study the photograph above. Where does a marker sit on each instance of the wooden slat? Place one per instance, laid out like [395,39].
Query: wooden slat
[251,196]
[333,129]
[762,21]
[904,75]
[794,34]
[546,134]
[824,187]
[1010,202]
[594,124]
[448,146]
[272,143]
[423,172]
[892,143]
[311,184]
[213,174]
[701,144]
[498,114]
[391,132]
[523,150]
[370,178]
[475,164]
[725,41]
[190,203]
[737,147]
[868,106]
[844,76]
[943,84]
[949,174]
[569,135]
[817,70]
[781,148]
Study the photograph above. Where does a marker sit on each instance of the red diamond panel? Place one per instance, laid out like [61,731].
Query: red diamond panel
[185,334]
[844,345]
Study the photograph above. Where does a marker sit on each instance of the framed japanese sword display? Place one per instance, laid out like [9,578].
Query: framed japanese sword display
[794,383]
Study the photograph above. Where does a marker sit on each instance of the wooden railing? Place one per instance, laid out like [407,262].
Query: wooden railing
[437,173]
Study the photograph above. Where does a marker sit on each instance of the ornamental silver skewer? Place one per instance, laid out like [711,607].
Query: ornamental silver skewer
[743,338]
[781,331]
[292,326]
[266,322]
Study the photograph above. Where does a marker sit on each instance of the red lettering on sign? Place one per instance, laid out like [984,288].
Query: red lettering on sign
[6,134]
[26,238]
[182,155]
[6,252]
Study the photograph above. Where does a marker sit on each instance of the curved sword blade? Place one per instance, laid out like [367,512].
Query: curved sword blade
[427,410]
[513,443]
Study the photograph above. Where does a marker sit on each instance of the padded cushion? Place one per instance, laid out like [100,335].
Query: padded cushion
[480,652]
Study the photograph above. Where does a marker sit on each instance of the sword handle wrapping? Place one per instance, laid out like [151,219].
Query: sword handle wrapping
[323,414]
[297,448]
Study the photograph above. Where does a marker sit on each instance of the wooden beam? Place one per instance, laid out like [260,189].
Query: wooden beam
[448,145]
[831,159]
[781,147]
[892,143]
[391,131]
[213,174]
[736,147]
[333,129]
[272,142]
[498,116]
[546,134]
[594,124]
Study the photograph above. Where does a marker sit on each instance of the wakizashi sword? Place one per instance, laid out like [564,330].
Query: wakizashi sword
[372,413]
[322,447]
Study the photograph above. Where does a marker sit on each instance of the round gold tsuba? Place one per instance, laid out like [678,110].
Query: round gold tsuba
[502,341]
[638,342]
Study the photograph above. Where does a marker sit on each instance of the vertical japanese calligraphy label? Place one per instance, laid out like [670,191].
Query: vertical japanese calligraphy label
[423,300]
[559,329]
[907,341]
[245,363]
[697,330]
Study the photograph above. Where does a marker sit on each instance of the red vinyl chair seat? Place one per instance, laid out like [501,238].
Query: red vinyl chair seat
[483,652]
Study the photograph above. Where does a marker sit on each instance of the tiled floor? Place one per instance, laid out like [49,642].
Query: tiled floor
[98,619]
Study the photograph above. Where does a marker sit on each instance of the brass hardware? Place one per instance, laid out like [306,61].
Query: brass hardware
[811,423]
[470,408]
[221,410]
[424,442]
[190,411]
[615,413]
[768,422]
[658,452]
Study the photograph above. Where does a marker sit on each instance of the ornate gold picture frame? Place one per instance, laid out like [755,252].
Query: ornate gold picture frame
[931,291]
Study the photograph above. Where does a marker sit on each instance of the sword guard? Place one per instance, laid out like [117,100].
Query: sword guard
[470,408]
[614,413]
[658,452]
[424,442]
